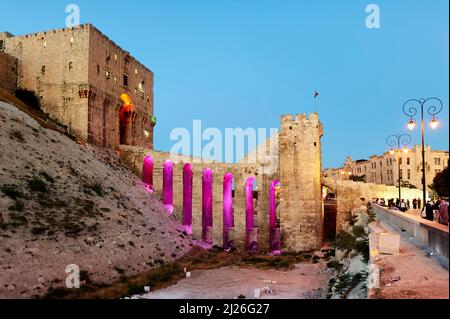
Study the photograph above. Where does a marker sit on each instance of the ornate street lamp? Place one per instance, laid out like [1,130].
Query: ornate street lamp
[396,142]
[433,106]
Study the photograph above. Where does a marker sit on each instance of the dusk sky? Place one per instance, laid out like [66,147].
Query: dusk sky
[245,63]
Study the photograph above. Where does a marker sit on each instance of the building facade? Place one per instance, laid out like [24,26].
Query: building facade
[383,169]
[80,75]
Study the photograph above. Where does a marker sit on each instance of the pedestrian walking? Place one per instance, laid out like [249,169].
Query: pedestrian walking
[429,211]
[402,206]
[443,213]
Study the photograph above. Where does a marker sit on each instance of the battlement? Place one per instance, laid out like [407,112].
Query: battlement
[72,31]
[292,122]
[80,27]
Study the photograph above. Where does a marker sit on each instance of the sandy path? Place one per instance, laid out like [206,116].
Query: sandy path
[305,281]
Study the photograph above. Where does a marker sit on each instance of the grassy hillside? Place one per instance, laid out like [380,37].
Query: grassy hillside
[63,202]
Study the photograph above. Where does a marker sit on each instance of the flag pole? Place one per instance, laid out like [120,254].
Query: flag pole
[316,94]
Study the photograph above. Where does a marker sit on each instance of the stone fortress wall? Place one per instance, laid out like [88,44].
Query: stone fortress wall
[8,72]
[297,167]
[79,75]
[300,160]
[349,194]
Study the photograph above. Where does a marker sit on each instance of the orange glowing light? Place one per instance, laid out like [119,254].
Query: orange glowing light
[127,106]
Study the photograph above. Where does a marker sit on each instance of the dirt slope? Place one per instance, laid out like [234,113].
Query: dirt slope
[63,203]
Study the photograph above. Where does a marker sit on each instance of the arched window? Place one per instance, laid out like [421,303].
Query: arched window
[1,45]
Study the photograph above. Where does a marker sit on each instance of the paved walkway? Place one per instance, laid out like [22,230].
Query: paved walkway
[411,274]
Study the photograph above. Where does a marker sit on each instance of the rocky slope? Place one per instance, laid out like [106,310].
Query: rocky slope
[63,202]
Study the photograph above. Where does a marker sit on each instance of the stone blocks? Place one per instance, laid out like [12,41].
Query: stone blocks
[389,243]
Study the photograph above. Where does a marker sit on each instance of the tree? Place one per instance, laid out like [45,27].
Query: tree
[441,183]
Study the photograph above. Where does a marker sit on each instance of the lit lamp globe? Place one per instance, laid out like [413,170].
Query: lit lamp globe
[391,151]
[405,150]
[434,123]
[411,124]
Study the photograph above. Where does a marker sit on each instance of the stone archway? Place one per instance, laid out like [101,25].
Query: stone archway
[187,197]
[329,213]
[125,120]
[207,209]
[274,227]
[251,232]
[228,213]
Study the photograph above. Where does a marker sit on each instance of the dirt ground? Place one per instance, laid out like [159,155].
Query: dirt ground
[411,274]
[306,281]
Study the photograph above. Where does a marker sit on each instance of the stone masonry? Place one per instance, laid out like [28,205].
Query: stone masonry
[8,72]
[79,75]
[295,160]
[300,166]
[350,195]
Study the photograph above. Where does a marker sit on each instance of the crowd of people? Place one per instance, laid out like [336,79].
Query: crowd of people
[434,210]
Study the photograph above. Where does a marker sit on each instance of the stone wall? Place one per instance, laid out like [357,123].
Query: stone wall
[132,157]
[266,159]
[349,194]
[108,67]
[43,67]
[300,166]
[295,161]
[78,73]
[8,72]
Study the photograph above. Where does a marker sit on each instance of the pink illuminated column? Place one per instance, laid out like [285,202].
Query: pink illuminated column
[228,221]
[250,242]
[168,185]
[187,198]
[207,220]
[274,231]
[147,172]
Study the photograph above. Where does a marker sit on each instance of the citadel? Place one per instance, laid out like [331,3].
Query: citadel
[105,96]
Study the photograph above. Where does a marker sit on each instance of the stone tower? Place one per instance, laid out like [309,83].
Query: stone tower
[300,167]
[80,75]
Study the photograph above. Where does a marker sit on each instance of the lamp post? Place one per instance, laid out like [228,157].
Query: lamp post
[433,106]
[396,142]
